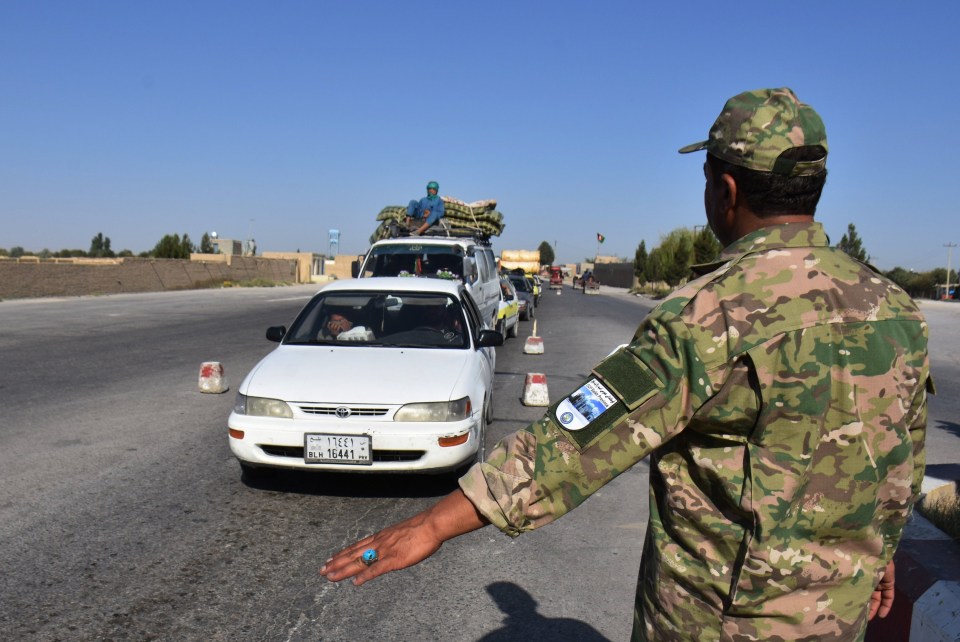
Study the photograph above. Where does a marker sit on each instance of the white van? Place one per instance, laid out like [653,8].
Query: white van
[465,259]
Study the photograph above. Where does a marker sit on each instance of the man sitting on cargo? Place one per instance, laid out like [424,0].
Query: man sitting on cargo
[428,209]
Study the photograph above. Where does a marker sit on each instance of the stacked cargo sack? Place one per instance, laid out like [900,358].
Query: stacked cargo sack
[476,218]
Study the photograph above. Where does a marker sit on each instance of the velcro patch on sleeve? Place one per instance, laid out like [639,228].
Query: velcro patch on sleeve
[628,377]
[588,411]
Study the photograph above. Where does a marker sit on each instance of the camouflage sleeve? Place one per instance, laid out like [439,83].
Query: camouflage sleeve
[892,529]
[633,401]
[918,431]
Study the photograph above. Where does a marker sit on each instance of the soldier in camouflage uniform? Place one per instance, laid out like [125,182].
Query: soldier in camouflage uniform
[781,398]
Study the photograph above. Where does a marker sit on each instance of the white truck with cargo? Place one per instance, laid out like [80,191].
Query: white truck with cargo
[462,259]
[457,247]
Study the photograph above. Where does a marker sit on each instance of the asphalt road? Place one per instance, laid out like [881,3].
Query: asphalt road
[123,515]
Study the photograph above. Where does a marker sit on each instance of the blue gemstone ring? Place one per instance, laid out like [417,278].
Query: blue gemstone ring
[369,556]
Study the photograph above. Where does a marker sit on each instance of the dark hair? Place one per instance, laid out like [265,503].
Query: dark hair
[769,194]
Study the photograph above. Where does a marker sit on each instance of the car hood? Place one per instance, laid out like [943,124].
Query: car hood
[357,374]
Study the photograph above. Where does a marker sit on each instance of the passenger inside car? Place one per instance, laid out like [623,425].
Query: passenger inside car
[341,327]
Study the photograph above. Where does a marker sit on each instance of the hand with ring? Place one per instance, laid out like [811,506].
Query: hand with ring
[404,544]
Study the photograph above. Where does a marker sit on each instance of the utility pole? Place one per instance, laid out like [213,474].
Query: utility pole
[949,246]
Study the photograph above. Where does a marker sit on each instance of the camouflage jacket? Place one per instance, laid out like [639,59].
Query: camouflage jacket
[782,401]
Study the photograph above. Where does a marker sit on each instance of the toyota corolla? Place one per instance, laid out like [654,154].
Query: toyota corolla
[374,375]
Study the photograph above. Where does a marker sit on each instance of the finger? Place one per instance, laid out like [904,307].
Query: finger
[886,603]
[345,566]
[339,565]
[874,605]
[342,567]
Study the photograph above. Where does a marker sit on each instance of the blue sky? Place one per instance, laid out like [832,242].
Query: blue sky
[283,120]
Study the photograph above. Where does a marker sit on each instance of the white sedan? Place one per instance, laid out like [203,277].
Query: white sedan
[374,375]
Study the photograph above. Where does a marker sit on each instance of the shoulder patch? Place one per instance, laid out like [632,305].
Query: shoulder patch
[628,377]
[588,411]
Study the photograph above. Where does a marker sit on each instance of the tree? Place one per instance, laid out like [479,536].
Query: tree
[640,262]
[852,245]
[706,247]
[16,252]
[671,260]
[186,246]
[206,245]
[100,246]
[547,256]
[172,246]
[656,268]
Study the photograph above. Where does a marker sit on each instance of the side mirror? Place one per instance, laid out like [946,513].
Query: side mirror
[276,333]
[355,268]
[489,339]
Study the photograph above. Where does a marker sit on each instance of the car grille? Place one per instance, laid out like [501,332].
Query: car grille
[331,411]
[296,452]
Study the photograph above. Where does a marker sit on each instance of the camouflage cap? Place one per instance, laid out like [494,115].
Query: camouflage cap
[756,127]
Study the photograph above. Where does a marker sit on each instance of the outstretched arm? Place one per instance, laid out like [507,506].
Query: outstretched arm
[407,543]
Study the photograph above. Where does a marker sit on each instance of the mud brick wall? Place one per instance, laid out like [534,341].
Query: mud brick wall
[54,278]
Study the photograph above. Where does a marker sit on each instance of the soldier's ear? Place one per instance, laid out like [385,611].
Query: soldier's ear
[728,191]
[728,195]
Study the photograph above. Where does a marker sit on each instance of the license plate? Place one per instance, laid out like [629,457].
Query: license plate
[336,449]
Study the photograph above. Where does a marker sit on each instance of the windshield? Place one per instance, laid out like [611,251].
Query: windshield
[415,259]
[521,284]
[403,320]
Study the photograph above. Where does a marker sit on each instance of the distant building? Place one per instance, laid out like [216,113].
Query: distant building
[227,246]
[608,259]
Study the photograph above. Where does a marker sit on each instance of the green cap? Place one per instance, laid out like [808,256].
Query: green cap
[433,185]
[756,127]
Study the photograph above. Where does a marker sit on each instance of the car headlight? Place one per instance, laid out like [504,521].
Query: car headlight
[262,407]
[436,411]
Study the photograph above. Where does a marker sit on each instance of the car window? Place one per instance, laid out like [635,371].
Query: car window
[520,283]
[473,313]
[491,263]
[390,319]
[483,267]
[415,259]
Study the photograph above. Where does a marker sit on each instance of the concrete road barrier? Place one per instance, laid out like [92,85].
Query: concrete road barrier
[212,377]
[535,391]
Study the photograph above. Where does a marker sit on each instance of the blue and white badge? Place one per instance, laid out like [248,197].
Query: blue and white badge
[583,406]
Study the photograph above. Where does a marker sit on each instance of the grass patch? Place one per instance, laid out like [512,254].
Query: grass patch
[653,291]
[943,511]
[254,283]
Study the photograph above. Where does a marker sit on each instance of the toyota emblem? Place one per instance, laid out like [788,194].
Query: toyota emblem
[343,412]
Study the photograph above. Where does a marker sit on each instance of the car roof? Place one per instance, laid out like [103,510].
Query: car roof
[463,242]
[396,284]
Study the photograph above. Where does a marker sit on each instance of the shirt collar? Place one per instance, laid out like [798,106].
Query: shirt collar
[769,238]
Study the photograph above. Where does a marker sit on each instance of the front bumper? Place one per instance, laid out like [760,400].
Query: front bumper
[410,447]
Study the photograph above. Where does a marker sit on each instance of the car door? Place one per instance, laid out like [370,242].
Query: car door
[488,354]
[491,287]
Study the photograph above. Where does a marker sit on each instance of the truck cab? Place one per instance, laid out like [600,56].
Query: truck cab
[556,278]
[462,259]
